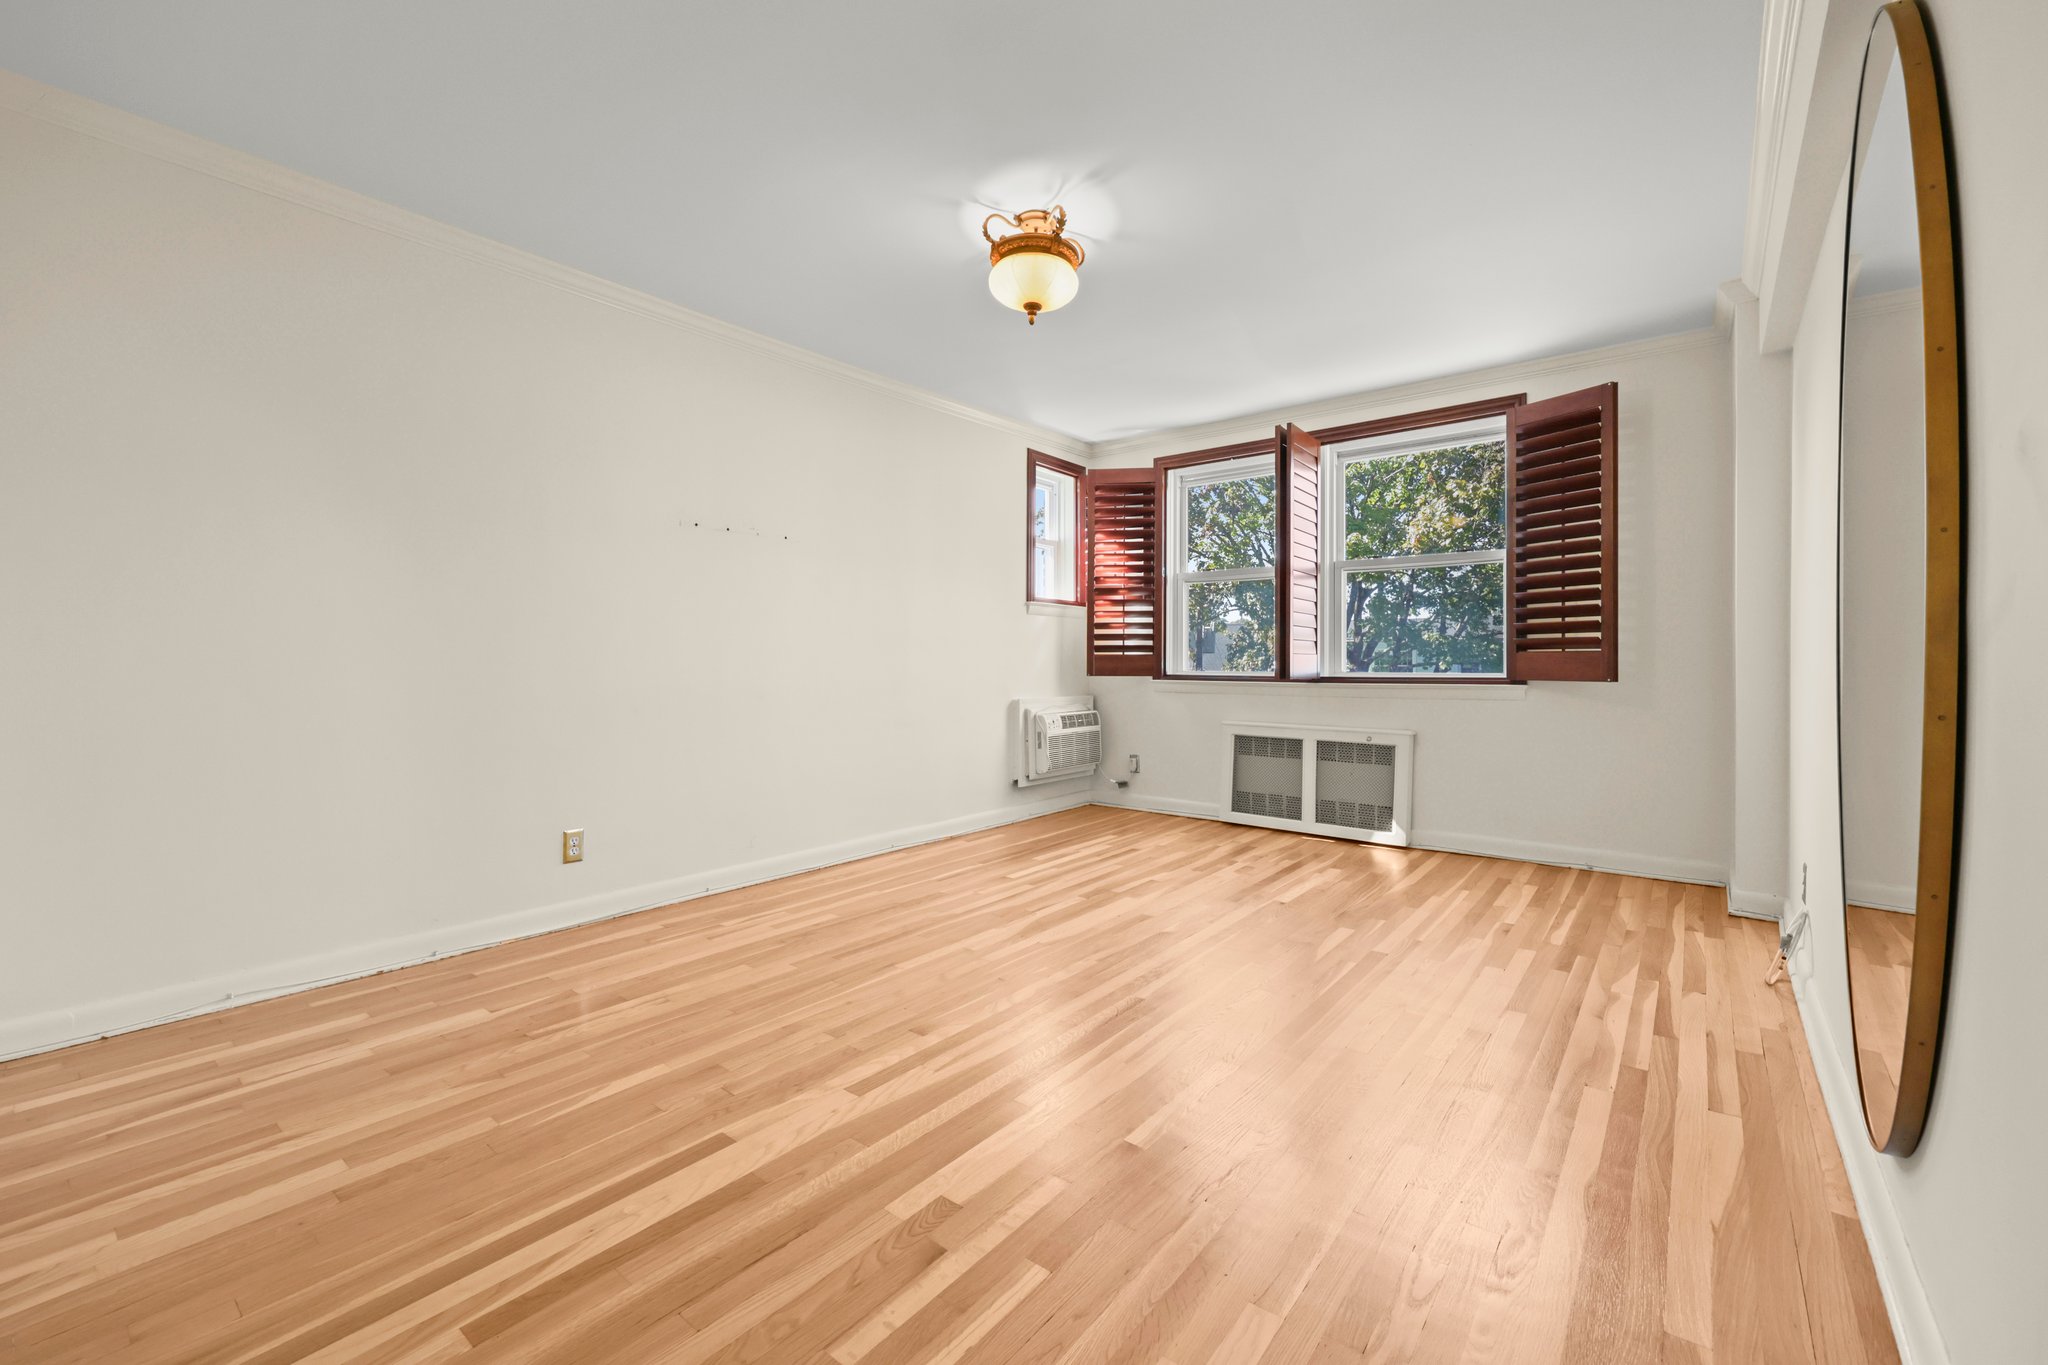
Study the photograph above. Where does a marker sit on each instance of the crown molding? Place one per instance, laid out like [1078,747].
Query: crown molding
[1811,62]
[1777,60]
[51,105]
[1729,299]
[1378,402]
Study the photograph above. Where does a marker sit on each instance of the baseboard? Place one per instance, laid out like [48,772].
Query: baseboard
[1488,846]
[1164,805]
[1898,1279]
[1756,904]
[1882,896]
[24,1035]
[1624,861]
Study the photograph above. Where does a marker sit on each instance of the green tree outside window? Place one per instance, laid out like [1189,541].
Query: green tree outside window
[1439,619]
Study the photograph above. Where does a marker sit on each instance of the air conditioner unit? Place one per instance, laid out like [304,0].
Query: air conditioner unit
[1350,784]
[1056,738]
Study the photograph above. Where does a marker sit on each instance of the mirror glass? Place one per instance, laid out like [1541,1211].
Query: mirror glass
[1883,606]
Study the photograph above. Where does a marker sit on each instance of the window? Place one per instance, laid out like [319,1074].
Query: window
[1475,543]
[1223,518]
[1052,529]
[1416,583]
[1052,551]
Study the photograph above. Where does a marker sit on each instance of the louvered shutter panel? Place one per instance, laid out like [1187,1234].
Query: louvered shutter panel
[1124,625]
[1299,613]
[1563,576]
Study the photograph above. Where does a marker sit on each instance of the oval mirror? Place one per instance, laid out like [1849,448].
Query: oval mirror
[1899,602]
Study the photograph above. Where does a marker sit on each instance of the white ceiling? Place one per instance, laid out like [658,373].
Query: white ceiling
[1281,201]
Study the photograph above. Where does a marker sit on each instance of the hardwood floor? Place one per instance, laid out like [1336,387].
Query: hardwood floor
[1103,1086]
[1880,948]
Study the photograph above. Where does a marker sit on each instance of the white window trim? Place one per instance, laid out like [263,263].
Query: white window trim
[1333,571]
[1381,685]
[1178,482]
[1063,520]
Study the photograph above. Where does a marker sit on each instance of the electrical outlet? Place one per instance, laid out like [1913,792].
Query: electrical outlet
[1134,763]
[572,845]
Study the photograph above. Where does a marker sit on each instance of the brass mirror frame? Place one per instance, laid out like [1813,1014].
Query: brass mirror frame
[1942,696]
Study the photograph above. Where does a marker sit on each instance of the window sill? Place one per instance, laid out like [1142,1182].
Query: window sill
[1032,608]
[1495,689]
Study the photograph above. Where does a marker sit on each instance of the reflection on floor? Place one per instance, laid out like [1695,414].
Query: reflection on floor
[1880,971]
[1101,1086]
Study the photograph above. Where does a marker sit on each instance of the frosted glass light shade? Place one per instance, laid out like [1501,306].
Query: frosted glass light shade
[1026,278]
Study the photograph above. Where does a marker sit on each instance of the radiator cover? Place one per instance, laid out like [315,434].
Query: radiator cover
[1266,776]
[1348,784]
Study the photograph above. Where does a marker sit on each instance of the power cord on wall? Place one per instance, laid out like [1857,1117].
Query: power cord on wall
[1788,939]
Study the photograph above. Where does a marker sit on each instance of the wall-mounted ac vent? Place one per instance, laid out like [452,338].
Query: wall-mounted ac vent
[1066,743]
[1055,738]
[1347,783]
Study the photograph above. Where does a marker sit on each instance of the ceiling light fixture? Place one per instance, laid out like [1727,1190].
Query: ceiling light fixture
[1035,268]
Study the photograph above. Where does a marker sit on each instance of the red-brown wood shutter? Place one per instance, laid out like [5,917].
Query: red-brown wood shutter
[1562,568]
[1124,626]
[1298,614]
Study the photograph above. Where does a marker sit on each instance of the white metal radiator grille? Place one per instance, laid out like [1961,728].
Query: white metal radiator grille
[1342,783]
[1266,777]
[1355,785]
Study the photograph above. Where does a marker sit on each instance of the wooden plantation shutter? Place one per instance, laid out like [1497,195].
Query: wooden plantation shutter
[1298,608]
[1123,523]
[1561,544]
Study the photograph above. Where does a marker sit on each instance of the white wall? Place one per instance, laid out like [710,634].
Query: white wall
[1959,1225]
[1633,775]
[346,566]
[1760,390]
[1884,597]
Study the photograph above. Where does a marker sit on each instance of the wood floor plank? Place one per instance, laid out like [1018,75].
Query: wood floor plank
[1098,1087]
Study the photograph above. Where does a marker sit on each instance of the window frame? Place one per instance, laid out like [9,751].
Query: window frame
[1036,463]
[1127,510]
[1181,474]
[1333,573]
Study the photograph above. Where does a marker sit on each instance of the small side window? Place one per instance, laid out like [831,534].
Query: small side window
[1052,530]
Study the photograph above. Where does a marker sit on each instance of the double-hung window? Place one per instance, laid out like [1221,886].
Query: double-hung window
[1415,534]
[1223,521]
[1472,543]
[1052,529]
